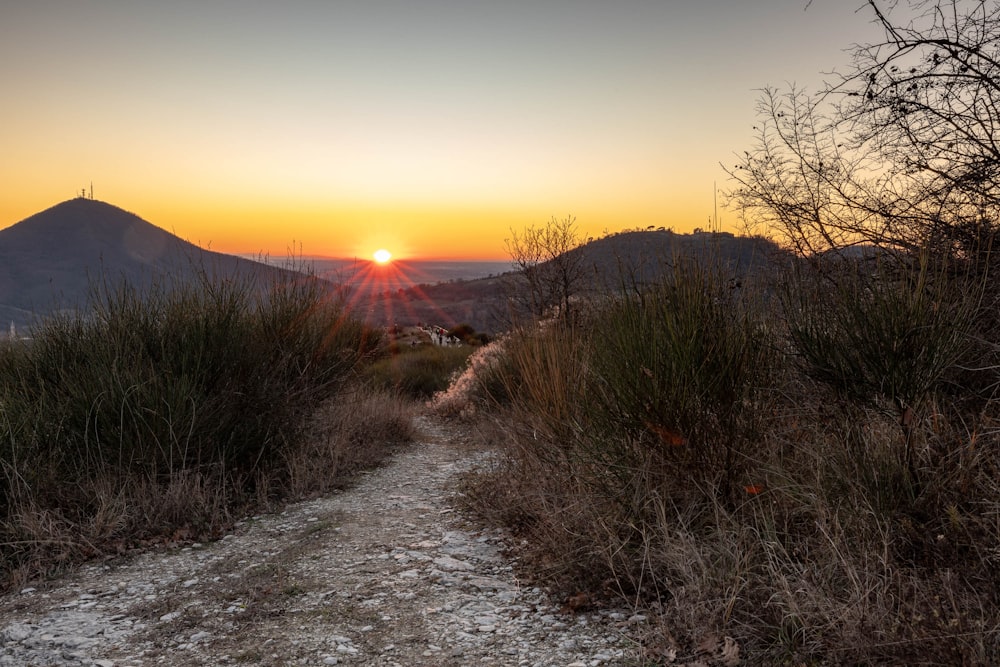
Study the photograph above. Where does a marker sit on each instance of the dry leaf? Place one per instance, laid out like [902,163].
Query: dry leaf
[667,436]
[575,603]
[667,654]
[722,650]
[906,418]
[662,655]
[709,644]
[729,654]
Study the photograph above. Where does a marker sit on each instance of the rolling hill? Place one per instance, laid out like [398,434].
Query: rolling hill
[608,264]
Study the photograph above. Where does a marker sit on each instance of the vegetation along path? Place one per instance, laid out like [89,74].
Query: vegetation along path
[385,573]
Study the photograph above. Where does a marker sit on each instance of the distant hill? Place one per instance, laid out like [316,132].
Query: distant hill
[643,256]
[52,259]
[610,262]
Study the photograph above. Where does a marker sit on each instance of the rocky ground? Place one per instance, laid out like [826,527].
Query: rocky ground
[385,573]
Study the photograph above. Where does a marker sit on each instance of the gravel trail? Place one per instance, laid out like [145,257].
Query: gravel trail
[387,572]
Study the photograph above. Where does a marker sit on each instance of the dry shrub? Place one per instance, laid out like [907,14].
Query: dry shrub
[850,563]
[480,378]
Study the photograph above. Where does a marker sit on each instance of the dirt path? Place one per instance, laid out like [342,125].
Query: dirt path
[386,573]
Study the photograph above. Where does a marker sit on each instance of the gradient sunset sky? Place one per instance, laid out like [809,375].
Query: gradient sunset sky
[426,127]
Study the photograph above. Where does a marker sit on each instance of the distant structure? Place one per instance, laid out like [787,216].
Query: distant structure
[715,206]
[13,335]
[83,192]
[440,336]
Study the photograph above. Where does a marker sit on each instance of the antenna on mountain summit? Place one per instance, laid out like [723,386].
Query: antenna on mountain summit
[91,189]
[715,207]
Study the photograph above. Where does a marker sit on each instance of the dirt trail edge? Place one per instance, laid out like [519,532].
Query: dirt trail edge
[385,573]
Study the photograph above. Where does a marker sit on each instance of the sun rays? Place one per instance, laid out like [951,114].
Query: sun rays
[385,290]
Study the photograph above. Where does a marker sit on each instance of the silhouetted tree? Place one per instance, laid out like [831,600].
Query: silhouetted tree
[550,264]
[901,151]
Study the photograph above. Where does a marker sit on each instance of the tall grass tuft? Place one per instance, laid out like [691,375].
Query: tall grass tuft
[163,409]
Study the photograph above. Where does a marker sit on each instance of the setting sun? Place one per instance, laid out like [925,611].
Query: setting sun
[382,256]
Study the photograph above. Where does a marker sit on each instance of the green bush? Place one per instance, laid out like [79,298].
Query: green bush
[675,374]
[881,338]
[186,377]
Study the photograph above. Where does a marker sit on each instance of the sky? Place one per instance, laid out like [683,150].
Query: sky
[430,128]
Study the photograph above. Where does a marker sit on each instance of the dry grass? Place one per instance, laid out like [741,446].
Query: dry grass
[837,542]
[353,431]
[356,431]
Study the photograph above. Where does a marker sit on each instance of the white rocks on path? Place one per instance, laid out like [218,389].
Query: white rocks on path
[385,573]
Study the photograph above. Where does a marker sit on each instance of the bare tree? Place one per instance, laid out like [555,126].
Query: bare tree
[550,264]
[901,151]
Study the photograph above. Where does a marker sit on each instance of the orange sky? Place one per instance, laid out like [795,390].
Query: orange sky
[428,128]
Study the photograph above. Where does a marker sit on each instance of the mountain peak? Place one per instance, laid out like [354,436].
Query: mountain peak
[93,232]
[76,214]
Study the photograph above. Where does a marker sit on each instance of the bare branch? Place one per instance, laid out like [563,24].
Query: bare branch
[900,151]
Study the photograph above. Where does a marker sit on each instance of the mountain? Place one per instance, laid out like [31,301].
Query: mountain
[53,259]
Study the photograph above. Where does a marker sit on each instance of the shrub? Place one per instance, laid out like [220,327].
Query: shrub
[655,397]
[881,338]
[685,447]
[196,391]
[187,376]
[675,374]
[482,380]
[353,431]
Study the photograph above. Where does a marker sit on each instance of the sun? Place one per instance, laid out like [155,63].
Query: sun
[382,256]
